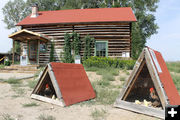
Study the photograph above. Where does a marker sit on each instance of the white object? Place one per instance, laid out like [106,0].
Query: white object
[77,59]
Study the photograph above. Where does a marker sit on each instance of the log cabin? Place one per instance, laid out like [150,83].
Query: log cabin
[111,28]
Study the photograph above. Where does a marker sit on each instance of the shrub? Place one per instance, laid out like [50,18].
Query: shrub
[105,62]
[7,63]
[51,59]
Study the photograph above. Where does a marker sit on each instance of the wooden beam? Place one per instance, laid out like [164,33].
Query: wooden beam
[141,109]
[49,100]
[134,79]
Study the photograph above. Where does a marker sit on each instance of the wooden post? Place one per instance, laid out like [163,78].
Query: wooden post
[38,51]
[13,51]
[130,39]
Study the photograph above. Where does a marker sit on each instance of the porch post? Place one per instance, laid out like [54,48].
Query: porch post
[38,49]
[13,51]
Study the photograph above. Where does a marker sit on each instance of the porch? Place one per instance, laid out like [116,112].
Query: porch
[32,44]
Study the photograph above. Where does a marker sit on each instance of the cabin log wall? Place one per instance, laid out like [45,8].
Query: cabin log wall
[118,36]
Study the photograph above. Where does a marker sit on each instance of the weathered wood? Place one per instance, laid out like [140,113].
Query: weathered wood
[13,51]
[49,100]
[134,80]
[54,82]
[156,80]
[159,113]
[118,36]
[132,75]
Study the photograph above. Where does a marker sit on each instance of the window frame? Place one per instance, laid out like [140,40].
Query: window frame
[106,42]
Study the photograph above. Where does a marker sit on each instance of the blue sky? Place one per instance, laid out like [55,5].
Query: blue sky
[167,41]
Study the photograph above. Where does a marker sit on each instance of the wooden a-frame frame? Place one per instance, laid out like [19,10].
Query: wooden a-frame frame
[145,57]
[48,70]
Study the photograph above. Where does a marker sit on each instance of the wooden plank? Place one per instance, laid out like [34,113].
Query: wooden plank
[155,78]
[49,100]
[159,113]
[54,81]
[133,73]
[13,51]
[37,87]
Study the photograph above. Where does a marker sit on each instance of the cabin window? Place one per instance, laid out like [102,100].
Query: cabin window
[101,48]
[43,47]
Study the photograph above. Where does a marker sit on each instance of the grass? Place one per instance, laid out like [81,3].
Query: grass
[123,78]
[46,117]
[176,79]
[13,81]
[104,93]
[106,96]
[173,66]
[99,114]
[33,104]
[2,66]
[7,117]
[32,83]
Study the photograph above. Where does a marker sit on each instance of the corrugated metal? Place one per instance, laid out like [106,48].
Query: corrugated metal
[73,82]
[124,14]
[167,80]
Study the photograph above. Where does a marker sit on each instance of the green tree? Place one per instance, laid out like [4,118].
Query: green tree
[14,12]
[76,43]
[67,58]
[88,45]
[46,5]
[51,59]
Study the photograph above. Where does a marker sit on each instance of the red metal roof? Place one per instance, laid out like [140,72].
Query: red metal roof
[124,14]
[73,82]
[167,81]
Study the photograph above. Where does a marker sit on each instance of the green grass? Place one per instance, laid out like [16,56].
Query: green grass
[2,66]
[106,96]
[93,69]
[176,79]
[103,88]
[32,83]
[7,117]
[99,114]
[46,117]
[173,66]
[122,78]
[13,81]
[33,104]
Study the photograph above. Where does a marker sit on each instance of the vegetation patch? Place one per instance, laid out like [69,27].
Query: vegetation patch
[33,104]
[107,62]
[2,66]
[32,83]
[176,79]
[13,81]
[99,114]
[46,117]
[7,117]
[173,66]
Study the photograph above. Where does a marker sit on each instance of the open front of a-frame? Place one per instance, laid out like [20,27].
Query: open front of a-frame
[143,91]
[47,89]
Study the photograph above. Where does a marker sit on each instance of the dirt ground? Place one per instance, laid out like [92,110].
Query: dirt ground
[12,99]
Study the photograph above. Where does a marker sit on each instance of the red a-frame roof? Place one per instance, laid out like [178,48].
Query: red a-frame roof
[75,16]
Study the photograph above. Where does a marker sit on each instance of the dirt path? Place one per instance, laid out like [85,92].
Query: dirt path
[12,98]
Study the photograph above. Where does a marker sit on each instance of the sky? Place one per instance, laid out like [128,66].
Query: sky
[167,41]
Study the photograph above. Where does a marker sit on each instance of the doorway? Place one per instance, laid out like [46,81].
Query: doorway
[32,51]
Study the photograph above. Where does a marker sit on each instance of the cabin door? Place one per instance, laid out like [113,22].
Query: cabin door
[33,51]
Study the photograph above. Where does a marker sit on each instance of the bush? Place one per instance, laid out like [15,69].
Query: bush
[7,63]
[105,62]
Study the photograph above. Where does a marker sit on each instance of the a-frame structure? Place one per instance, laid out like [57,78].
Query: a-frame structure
[68,84]
[150,71]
